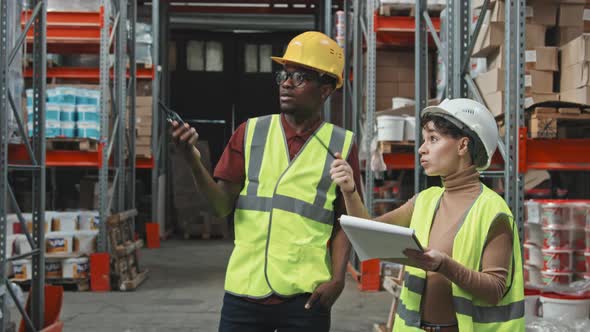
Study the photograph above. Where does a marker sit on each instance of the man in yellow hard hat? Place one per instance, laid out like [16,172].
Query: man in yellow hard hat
[288,265]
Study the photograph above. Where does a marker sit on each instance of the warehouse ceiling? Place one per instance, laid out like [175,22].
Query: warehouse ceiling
[245,15]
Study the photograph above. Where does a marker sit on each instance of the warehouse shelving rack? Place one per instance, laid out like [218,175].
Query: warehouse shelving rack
[459,84]
[100,32]
[516,152]
[35,149]
[71,32]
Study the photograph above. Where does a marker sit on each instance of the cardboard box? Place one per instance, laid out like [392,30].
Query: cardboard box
[497,13]
[576,51]
[490,38]
[496,59]
[398,59]
[142,101]
[538,81]
[575,76]
[407,75]
[535,98]
[495,102]
[386,74]
[386,89]
[143,140]
[543,127]
[383,103]
[143,151]
[406,90]
[541,58]
[490,81]
[535,36]
[571,16]
[564,35]
[579,95]
[542,13]
[143,131]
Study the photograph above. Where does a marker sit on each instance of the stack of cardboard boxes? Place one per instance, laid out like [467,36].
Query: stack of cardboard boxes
[575,64]
[541,59]
[143,126]
[395,77]
[143,120]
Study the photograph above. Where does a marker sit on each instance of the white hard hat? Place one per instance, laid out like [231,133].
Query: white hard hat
[473,118]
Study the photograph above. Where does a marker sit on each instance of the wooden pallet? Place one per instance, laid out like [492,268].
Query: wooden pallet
[559,123]
[126,274]
[72,144]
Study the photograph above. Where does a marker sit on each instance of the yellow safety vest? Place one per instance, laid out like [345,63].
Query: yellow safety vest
[472,313]
[285,211]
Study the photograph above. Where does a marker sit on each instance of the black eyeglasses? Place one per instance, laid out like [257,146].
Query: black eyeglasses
[297,77]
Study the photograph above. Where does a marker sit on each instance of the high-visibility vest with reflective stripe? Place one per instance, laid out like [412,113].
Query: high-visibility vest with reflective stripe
[285,211]
[472,313]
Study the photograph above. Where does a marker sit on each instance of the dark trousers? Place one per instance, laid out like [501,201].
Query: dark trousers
[238,314]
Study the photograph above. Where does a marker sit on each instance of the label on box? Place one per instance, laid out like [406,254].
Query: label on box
[528,11]
[528,102]
[528,81]
[530,56]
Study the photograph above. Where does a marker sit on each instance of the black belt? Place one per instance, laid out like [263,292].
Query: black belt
[436,327]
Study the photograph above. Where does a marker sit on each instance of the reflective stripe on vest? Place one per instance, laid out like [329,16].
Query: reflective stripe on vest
[284,214]
[472,314]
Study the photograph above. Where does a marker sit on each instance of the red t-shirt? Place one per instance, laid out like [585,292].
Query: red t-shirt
[231,165]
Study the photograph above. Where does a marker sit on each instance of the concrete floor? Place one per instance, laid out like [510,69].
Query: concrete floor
[184,293]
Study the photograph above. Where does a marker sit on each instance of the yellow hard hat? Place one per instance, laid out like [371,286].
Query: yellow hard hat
[316,51]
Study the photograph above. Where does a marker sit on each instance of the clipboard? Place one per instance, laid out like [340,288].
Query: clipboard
[371,239]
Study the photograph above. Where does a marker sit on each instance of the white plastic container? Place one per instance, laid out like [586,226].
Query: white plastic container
[53,269]
[88,220]
[410,128]
[552,214]
[558,260]
[564,307]
[533,234]
[533,255]
[59,242]
[532,212]
[532,276]
[65,222]
[397,102]
[22,269]
[21,245]
[390,128]
[557,278]
[578,212]
[85,242]
[76,268]
[557,237]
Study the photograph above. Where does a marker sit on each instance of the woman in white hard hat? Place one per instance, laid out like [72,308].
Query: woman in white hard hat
[469,277]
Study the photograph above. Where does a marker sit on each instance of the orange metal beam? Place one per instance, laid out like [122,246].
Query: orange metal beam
[17,154]
[84,73]
[399,30]
[403,160]
[547,154]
